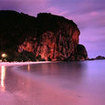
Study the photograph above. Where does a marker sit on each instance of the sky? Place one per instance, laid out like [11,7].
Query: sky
[89,15]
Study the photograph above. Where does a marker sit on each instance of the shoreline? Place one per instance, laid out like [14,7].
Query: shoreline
[40,62]
[23,63]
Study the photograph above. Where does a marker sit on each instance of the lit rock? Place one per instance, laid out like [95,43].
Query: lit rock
[57,39]
[47,36]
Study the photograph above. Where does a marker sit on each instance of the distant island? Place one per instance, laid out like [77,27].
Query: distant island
[97,58]
[46,37]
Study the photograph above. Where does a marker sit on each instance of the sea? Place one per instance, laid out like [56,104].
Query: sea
[53,83]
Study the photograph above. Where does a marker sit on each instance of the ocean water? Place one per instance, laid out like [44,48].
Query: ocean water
[59,83]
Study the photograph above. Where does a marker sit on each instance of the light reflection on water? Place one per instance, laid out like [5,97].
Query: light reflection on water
[2,75]
[28,67]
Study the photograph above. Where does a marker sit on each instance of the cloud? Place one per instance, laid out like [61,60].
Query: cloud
[57,11]
[9,5]
[90,6]
[92,19]
[94,40]
[31,7]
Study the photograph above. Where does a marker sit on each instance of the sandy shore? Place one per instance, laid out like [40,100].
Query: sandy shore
[23,63]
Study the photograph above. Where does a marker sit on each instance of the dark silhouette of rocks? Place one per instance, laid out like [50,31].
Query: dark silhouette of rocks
[81,52]
[100,57]
[97,58]
[45,37]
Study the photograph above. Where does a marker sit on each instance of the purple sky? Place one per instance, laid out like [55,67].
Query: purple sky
[89,15]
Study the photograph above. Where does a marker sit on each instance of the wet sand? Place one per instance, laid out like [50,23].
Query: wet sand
[53,84]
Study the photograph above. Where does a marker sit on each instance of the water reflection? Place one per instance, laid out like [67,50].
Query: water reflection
[61,73]
[2,75]
[58,69]
[28,67]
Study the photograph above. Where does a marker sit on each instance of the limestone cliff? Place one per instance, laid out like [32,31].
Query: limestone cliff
[47,37]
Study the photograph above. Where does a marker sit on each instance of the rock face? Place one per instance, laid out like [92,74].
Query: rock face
[47,37]
[81,52]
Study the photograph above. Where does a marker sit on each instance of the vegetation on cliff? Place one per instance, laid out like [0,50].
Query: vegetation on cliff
[45,37]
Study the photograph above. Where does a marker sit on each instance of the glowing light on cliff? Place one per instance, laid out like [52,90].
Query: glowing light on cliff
[3,72]
[4,55]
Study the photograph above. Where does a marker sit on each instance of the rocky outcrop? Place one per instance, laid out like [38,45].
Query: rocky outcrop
[97,58]
[81,52]
[47,37]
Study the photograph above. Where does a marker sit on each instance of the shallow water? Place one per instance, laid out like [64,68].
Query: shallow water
[65,83]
